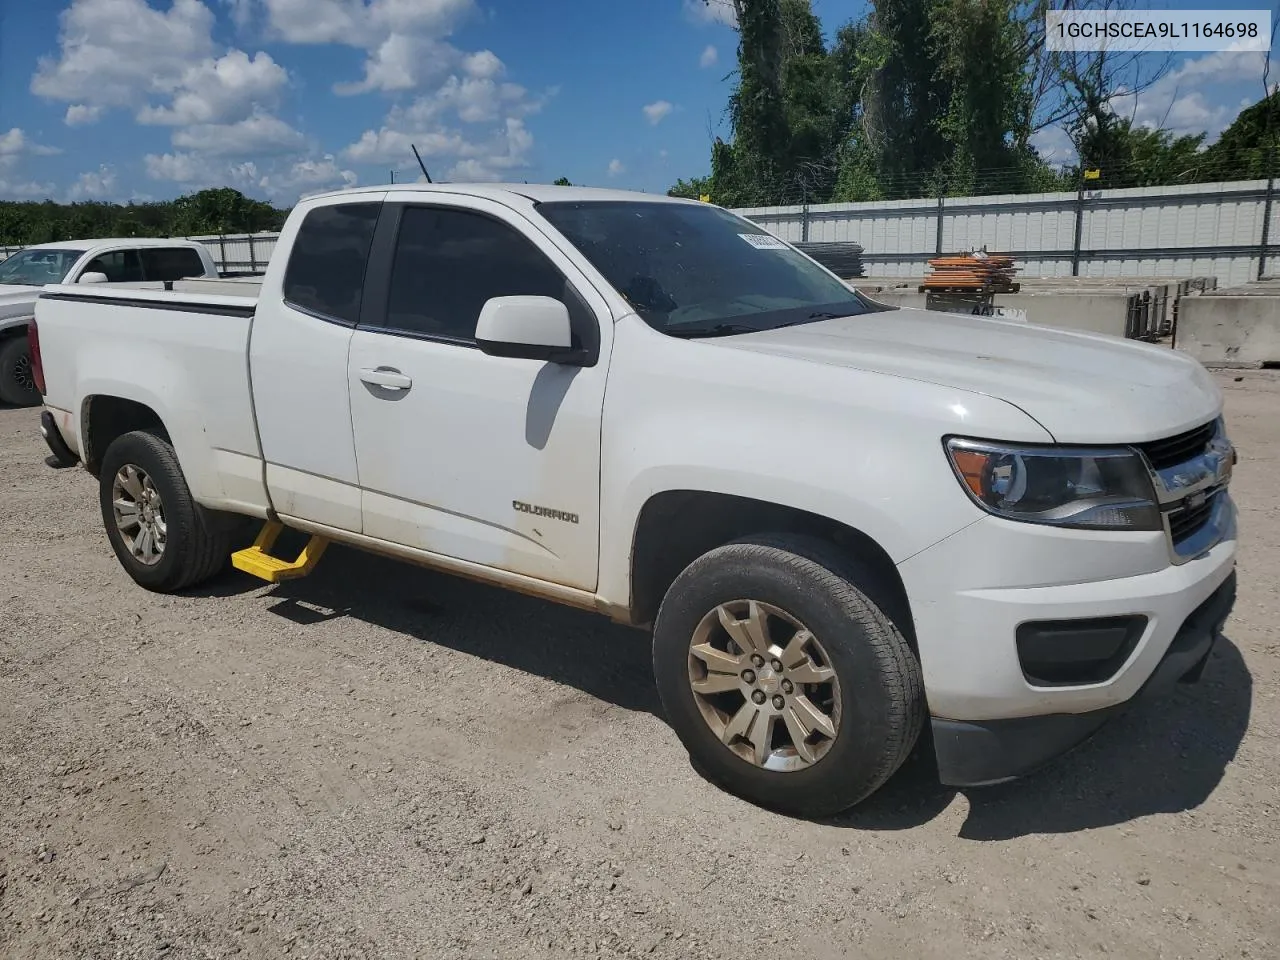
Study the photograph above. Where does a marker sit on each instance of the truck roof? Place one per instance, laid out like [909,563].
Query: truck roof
[537,192]
[84,245]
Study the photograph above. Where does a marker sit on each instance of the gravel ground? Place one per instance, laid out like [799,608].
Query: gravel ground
[379,761]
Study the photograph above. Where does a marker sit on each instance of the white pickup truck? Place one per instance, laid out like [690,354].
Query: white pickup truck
[840,519]
[125,261]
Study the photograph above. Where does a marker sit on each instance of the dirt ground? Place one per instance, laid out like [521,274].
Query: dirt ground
[379,761]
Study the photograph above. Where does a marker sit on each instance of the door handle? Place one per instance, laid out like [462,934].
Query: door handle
[386,377]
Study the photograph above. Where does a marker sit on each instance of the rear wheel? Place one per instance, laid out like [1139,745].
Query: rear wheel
[17,378]
[787,684]
[162,537]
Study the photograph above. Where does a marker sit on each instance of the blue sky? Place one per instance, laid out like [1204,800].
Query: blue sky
[148,99]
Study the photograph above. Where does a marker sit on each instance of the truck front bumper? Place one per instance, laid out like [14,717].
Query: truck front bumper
[974,753]
[1031,638]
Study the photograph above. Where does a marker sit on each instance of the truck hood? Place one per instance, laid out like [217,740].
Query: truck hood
[17,300]
[1081,387]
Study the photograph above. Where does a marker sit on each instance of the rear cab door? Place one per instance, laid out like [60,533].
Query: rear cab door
[491,460]
[307,311]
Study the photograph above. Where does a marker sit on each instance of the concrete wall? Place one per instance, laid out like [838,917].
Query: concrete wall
[1224,330]
[1094,312]
[1090,312]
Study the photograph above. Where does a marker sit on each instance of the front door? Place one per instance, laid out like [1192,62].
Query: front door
[486,459]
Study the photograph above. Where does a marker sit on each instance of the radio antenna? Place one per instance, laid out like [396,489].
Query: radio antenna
[418,157]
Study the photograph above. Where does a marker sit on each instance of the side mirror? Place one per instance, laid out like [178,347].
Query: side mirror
[529,328]
[94,278]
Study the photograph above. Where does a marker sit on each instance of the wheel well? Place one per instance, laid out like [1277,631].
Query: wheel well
[10,333]
[678,526]
[106,418]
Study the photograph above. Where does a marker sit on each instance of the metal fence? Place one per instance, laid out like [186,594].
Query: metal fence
[1223,230]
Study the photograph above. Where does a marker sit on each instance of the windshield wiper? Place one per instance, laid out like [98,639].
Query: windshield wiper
[714,330]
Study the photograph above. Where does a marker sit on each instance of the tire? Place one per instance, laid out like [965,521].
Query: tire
[196,544]
[16,384]
[881,704]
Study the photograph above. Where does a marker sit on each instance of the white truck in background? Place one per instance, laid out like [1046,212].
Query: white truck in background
[131,261]
[841,520]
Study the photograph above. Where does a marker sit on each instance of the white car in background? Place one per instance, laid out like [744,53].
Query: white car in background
[122,261]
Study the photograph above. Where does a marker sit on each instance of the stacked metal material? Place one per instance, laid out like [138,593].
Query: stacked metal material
[841,258]
[978,272]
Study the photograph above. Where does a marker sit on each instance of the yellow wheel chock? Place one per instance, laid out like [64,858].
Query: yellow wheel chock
[258,561]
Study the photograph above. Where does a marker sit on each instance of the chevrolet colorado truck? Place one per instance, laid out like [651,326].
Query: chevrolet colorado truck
[842,521]
[23,274]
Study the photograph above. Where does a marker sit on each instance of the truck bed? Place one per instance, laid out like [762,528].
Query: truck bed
[193,347]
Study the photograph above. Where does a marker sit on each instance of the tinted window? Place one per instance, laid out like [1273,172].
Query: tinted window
[38,267]
[171,263]
[120,266]
[449,262]
[697,270]
[327,261]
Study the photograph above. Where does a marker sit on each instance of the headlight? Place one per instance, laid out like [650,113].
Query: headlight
[1088,489]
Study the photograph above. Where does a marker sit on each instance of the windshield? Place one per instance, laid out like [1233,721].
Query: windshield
[694,270]
[37,267]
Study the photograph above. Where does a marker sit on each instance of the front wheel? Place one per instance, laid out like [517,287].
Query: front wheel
[164,539]
[786,683]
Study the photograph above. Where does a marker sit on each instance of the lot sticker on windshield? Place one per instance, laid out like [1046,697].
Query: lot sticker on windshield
[763,241]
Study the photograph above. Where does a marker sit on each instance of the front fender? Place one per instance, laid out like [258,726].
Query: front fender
[860,448]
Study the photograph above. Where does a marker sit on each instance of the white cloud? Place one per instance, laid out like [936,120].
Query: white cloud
[616,167]
[217,91]
[286,179]
[194,171]
[1053,144]
[307,176]
[657,111]
[483,65]
[80,114]
[403,40]
[503,149]
[25,190]
[94,185]
[712,11]
[241,12]
[15,144]
[160,62]
[180,168]
[164,66]
[114,52]
[260,134]
[472,125]
[709,57]
[1192,98]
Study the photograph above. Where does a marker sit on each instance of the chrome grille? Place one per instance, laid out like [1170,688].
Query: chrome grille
[1187,520]
[1172,451]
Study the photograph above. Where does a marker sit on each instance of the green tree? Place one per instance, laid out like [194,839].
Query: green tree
[695,188]
[943,97]
[1247,149]
[209,211]
[563,182]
